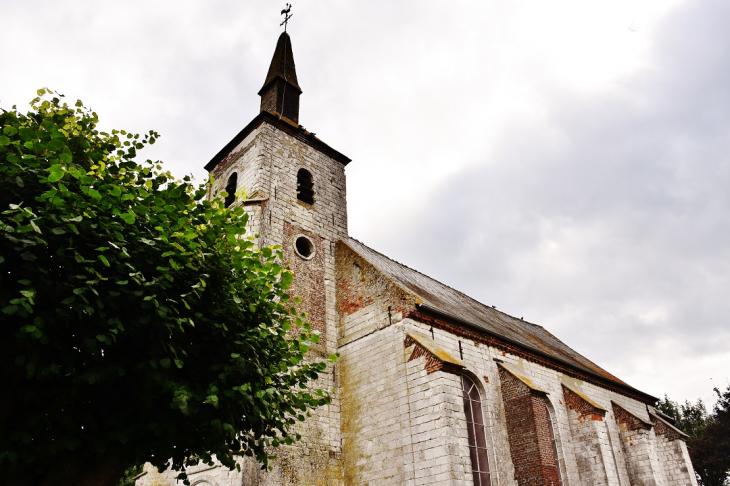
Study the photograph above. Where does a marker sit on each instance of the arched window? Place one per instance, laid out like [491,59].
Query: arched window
[305,186]
[551,428]
[476,431]
[231,189]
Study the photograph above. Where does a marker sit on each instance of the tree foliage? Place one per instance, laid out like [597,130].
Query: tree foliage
[138,323]
[709,435]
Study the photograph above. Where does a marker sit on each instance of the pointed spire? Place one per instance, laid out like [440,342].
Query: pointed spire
[280,93]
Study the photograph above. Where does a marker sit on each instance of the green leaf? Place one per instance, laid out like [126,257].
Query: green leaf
[56,176]
[104,260]
[10,309]
[286,279]
[66,157]
[27,134]
[128,218]
[10,131]
[4,141]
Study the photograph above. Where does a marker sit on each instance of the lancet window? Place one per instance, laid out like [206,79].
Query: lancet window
[231,189]
[477,432]
[305,186]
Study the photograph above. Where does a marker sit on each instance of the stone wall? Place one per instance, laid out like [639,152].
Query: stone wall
[599,453]
[673,455]
[591,443]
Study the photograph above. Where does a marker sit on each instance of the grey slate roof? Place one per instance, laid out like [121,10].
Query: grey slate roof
[447,300]
[282,64]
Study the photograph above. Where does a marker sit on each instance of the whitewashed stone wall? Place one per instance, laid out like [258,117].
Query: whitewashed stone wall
[404,426]
[674,457]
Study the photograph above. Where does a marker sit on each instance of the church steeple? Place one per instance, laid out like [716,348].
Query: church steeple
[280,93]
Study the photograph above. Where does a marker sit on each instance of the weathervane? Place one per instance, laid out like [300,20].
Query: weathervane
[286,15]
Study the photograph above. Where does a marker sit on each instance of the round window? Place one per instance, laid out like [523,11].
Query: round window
[304,247]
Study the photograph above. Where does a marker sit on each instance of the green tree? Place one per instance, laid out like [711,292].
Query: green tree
[688,417]
[138,321]
[709,435]
[129,475]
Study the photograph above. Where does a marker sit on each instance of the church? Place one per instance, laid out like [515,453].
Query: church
[432,387]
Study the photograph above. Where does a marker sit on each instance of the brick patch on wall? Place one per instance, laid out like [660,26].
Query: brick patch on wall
[308,277]
[584,409]
[530,441]
[359,285]
[627,420]
[661,429]
[432,363]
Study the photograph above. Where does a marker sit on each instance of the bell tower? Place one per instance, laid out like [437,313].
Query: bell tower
[296,198]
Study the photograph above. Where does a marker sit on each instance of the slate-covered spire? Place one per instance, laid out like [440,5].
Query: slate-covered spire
[280,93]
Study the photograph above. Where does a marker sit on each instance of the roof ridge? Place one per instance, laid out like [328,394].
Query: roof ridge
[445,285]
[460,306]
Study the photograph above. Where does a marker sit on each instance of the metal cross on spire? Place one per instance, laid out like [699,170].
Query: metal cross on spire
[286,15]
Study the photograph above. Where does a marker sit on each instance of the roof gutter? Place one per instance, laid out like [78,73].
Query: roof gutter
[437,311]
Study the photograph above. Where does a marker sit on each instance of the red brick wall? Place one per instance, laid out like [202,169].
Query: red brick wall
[662,430]
[431,363]
[628,420]
[530,441]
[308,277]
[359,285]
[585,410]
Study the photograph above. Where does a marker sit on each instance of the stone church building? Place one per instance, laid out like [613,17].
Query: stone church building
[432,387]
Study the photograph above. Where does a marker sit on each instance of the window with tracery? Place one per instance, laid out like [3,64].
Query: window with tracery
[477,432]
[305,186]
[231,189]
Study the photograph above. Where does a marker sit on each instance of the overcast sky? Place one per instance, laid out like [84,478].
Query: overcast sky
[565,161]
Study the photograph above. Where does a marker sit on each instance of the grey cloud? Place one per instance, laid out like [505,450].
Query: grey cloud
[607,223]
